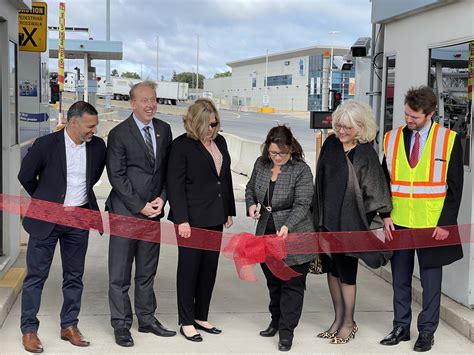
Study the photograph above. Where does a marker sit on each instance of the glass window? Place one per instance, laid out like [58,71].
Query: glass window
[389,91]
[279,80]
[451,74]
[254,82]
[13,92]
[341,80]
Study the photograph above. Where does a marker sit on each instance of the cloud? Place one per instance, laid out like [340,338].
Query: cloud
[228,30]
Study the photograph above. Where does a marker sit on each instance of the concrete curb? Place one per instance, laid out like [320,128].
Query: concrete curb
[457,316]
[10,287]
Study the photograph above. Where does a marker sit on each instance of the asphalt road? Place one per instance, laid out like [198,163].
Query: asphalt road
[249,125]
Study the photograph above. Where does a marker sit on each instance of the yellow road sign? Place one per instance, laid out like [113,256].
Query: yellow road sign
[32,27]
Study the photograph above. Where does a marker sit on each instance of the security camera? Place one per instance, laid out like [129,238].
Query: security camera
[341,63]
[361,47]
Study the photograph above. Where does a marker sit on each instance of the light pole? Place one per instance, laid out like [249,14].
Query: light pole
[197,68]
[108,84]
[266,100]
[332,57]
[157,56]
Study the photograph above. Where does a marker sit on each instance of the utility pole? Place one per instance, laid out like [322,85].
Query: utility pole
[108,84]
[332,33]
[157,57]
[266,78]
[197,68]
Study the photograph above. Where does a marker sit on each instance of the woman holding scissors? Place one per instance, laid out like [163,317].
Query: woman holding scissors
[279,196]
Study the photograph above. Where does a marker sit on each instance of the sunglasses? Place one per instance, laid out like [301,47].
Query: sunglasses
[213,124]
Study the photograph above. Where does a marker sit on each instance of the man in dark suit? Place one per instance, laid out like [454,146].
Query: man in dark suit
[60,167]
[136,165]
[425,172]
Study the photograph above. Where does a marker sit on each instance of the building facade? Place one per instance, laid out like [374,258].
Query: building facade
[294,80]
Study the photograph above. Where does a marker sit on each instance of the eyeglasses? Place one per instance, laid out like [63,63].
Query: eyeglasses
[338,127]
[213,124]
[280,154]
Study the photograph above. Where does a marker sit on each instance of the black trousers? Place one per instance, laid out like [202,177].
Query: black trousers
[196,276]
[402,264]
[286,299]
[122,253]
[73,244]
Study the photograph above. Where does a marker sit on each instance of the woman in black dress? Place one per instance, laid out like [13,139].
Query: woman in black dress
[350,190]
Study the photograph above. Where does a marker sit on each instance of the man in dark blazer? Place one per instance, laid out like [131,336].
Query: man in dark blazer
[136,165]
[420,104]
[61,167]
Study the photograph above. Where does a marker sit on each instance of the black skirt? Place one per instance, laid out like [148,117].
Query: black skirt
[342,266]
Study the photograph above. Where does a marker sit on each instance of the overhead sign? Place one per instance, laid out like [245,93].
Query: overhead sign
[32,28]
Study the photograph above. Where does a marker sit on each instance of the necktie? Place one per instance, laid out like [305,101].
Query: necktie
[149,144]
[415,151]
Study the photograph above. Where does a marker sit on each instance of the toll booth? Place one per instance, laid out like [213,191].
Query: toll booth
[88,50]
[431,42]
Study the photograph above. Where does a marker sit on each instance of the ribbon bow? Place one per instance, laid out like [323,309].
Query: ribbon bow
[247,250]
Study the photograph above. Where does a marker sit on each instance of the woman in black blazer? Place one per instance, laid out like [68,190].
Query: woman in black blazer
[199,185]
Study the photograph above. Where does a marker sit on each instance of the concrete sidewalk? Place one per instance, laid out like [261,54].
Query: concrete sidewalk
[238,307]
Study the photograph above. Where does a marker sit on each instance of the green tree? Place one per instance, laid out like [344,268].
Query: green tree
[115,72]
[173,78]
[223,75]
[190,78]
[130,74]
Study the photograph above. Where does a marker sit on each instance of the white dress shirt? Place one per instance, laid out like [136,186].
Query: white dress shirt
[76,162]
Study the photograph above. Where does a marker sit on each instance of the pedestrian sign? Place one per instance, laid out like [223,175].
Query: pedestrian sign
[32,28]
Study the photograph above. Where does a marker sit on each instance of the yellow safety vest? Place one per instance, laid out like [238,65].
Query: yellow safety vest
[418,193]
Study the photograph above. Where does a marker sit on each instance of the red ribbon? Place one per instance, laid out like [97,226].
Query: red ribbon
[247,250]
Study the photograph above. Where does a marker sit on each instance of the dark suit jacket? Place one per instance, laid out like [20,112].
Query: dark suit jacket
[135,181]
[433,257]
[196,193]
[43,174]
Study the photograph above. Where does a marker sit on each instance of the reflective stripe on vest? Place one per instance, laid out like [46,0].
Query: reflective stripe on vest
[418,193]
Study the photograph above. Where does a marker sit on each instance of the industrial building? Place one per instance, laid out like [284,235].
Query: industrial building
[295,79]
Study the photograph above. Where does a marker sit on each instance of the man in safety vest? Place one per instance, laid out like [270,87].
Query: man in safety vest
[423,163]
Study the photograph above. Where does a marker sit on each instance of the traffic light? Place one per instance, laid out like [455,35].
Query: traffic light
[336,98]
[54,93]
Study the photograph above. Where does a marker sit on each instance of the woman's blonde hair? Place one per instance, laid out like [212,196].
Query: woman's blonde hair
[196,120]
[352,113]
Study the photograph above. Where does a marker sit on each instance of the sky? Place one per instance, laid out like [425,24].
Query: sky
[228,30]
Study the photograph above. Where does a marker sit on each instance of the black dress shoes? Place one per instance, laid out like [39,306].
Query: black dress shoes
[284,345]
[269,332]
[212,330]
[196,337]
[424,342]
[158,329]
[397,335]
[123,337]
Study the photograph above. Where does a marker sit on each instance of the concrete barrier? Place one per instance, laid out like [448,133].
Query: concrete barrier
[107,121]
[243,153]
